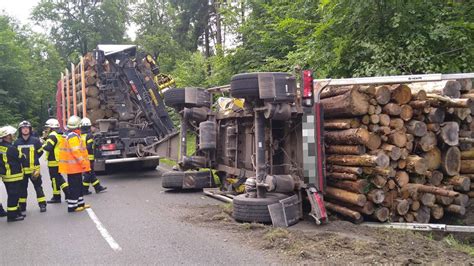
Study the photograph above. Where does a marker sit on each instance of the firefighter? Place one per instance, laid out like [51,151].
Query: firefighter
[30,148]
[73,162]
[11,172]
[90,177]
[51,149]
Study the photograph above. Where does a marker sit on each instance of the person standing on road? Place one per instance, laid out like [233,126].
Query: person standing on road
[90,177]
[11,172]
[73,162]
[30,147]
[51,149]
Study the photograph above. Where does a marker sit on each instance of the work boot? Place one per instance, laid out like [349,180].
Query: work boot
[3,213]
[54,199]
[15,218]
[100,189]
[20,213]
[23,207]
[86,206]
[79,209]
[87,192]
[42,207]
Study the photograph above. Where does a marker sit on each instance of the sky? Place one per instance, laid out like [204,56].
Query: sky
[21,9]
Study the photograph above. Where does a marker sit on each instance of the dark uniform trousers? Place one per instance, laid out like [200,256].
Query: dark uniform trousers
[58,183]
[76,195]
[37,183]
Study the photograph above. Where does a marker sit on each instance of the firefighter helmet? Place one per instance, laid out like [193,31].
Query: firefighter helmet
[52,123]
[86,122]
[24,124]
[7,130]
[74,122]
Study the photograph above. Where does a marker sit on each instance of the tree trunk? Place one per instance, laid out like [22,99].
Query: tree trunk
[346,196]
[357,186]
[341,123]
[449,133]
[460,183]
[346,149]
[401,93]
[376,196]
[341,176]
[433,159]
[428,199]
[446,87]
[416,128]
[431,189]
[423,214]
[393,151]
[349,104]
[381,160]
[353,136]
[402,178]
[392,109]
[402,206]
[456,209]
[437,212]
[451,161]
[355,216]
[398,138]
[381,214]
[462,200]
[416,164]
[344,169]
[435,178]
[406,112]
[378,181]
[426,143]
[382,94]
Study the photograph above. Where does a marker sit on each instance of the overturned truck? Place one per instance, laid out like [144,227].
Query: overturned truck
[395,148]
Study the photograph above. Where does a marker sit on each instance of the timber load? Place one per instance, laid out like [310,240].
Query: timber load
[399,153]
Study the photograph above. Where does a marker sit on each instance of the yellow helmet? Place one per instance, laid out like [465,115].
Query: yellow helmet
[74,122]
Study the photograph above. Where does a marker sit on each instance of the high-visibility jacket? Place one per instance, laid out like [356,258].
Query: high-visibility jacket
[73,155]
[11,163]
[31,150]
[89,140]
[51,148]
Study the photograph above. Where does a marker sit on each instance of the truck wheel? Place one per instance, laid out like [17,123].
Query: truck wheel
[245,85]
[255,209]
[175,98]
[186,180]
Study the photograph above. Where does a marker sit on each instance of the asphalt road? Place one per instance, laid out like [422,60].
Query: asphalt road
[144,221]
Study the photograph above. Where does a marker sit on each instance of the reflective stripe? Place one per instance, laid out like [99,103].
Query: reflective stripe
[42,199]
[86,184]
[12,178]
[91,157]
[22,200]
[53,163]
[12,209]
[65,185]
[55,188]
[96,182]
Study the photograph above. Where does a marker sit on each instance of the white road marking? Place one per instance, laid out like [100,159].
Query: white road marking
[105,234]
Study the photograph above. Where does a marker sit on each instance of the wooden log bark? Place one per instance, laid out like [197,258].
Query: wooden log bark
[397,123]
[341,123]
[437,211]
[346,196]
[436,115]
[433,159]
[423,214]
[354,215]
[426,143]
[380,160]
[381,214]
[435,178]
[357,186]
[449,88]
[460,183]
[354,136]
[417,104]
[409,217]
[383,171]
[456,209]
[402,206]
[345,169]
[349,104]
[406,112]
[416,164]
[346,149]
[467,167]
[376,196]
[466,84]
[398,138]
[393,151]
[401,93]
[332,91]
[415,205]
[451,161]
[467,155]
[384,120]
[416,128]
[382,94]
[402,178]
[341,176]
[449,133]
[378,181]
[428,199]
[392,109]
[374,141]
[431,189]
[445,201]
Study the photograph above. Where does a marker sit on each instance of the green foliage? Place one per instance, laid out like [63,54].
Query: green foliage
[28,76]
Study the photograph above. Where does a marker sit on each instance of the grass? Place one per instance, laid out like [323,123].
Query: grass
[275,234]
[452,242]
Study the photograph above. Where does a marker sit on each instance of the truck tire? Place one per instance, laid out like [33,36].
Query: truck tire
[255,209]
[180,180]
[245,85]
[175,98]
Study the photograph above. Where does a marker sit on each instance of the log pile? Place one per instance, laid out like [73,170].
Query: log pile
[400,153]
[95,105]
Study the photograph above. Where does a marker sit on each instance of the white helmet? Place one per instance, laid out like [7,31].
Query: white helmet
[52,123]
[7,130]
[73,122]
[86,122]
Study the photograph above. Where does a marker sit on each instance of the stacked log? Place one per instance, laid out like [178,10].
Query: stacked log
[95,105]
[400,153]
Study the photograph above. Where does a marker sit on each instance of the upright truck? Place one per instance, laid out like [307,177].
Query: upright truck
[119,90]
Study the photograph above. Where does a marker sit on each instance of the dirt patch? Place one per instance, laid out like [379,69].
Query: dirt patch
[337,242]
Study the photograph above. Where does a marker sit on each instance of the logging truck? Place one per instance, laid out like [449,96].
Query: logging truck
[396,148]
[118,89]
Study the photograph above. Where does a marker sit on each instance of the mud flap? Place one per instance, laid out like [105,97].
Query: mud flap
[286,212]
[318,211]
